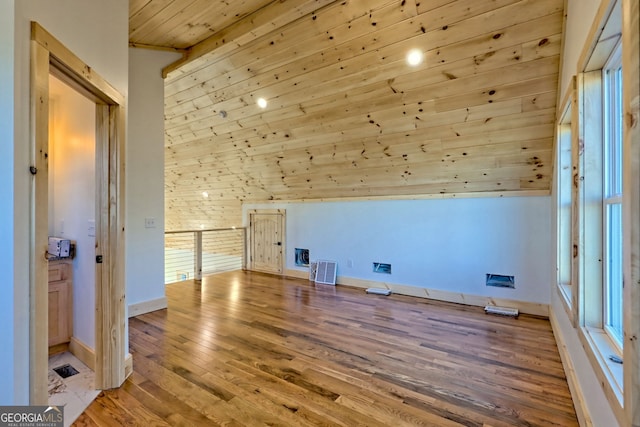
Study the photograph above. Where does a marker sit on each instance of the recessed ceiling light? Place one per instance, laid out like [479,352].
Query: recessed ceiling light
[262,103]
[205,194]
[415,57]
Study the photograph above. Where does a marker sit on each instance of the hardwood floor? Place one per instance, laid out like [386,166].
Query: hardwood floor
[251,349]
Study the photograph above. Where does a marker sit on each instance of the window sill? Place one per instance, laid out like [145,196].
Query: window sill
[609,372]
[565,291]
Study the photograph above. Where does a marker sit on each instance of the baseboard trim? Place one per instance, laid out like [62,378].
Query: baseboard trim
[83,352]
[536,309]
[582,411]
[147,306]
[128,365]
[59,348]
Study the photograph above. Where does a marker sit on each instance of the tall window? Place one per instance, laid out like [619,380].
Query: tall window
[612,200]
[564,178]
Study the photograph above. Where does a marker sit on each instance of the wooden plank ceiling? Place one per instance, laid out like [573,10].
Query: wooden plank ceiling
[346,115]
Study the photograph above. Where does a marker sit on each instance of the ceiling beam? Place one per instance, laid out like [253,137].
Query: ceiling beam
[154,47]
[275,15]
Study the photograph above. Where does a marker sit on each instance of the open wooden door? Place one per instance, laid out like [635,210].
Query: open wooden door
[266,234]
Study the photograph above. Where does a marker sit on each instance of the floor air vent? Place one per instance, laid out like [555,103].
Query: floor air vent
[326,272]
[379,291]
[66,371]
[503,311]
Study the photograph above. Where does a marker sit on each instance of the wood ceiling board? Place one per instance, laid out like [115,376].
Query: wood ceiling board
[517,90]
[344,121]
[290,39]
[273,16]
[204,18]
[184,23]
[422,166]
[369,43]
[481,62]
[153,19]
[345,99]
[448,88]
[396,119]
[534,124]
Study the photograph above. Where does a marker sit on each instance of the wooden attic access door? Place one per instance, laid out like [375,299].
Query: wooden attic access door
[266,234]
[48,55]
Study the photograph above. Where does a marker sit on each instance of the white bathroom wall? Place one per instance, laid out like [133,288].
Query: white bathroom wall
[443,244]
[72,195]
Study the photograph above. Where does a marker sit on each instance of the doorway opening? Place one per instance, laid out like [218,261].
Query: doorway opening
[71,210]
[110,358]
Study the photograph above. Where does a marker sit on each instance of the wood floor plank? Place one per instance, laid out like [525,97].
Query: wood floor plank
[252,349]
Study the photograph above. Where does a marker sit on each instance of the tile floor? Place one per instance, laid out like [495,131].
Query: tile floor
[76,392]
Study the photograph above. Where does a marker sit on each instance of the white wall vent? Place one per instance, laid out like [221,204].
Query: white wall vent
[326,272]
[313,267]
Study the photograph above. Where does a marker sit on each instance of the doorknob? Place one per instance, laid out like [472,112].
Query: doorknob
[278,244]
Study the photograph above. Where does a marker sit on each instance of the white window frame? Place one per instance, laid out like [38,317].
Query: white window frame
[564,205]
[612,192]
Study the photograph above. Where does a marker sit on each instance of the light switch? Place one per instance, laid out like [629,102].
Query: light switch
[91,229]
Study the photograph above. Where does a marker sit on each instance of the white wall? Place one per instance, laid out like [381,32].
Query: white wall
[14,301]
[145,177]
[580,15]
[72,194]
[97,32]
[445,244]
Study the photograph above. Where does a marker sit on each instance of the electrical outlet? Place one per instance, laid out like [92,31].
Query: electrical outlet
[350,263]
[149,223]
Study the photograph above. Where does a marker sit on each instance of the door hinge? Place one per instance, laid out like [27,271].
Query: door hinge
[98,259]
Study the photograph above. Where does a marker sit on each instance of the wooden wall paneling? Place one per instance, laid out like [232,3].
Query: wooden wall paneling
[38,284]
[103,272]
[631,214]
[576,191]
